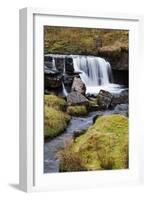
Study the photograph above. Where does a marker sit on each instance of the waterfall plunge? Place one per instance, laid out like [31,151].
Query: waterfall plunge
[96,73]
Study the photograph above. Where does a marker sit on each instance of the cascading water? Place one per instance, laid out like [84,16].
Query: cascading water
[53,63]
[64,91]
[96,73]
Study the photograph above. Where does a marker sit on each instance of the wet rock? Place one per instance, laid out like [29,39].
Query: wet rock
[121,109]
[52,78]
[68,79]
[76,98]
[79,132]
[121,98]
[93,106]
[69,66]
[78,86]
[104,99]
[95,117]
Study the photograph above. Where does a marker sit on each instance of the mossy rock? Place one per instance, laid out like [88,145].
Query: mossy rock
[93,105]
[55,122]
[104,145]
[77,110]
[55,102]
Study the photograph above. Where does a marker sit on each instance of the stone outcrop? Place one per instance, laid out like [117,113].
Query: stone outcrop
[76,98]
[116,55]
[78,86]
[121,109]
[121,98]
[104,99]
[52,78]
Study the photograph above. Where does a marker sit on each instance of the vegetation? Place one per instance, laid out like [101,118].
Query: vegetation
[103,146]
[55,119]
[71,161]
[79,110]
[55,102]
[86,41]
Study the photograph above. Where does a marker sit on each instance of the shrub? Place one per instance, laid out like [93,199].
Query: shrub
[55,102]
[55,122]
[77,110]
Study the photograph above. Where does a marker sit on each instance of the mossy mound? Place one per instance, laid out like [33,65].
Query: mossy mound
[77,110]
[55,121]
[55,102]
[103,146]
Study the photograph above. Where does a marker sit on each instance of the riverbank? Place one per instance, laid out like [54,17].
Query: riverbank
[76,127]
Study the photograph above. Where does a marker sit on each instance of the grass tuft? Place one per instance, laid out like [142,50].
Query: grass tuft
[55,102]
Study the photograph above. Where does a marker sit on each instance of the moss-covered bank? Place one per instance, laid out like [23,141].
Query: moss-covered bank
[103,146]
[55,119]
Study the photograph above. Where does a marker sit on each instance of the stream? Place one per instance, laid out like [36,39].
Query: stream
[51,163]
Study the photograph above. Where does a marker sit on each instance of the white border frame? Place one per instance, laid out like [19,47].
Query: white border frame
[30,179]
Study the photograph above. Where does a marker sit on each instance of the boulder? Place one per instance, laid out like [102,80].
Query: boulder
[121,98]
[78,86]
[104,99]
[76,98]
[52,78]
[121,109]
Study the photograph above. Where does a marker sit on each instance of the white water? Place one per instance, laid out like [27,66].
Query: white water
[64,71]
[65,93]
[53,63]
[96,73]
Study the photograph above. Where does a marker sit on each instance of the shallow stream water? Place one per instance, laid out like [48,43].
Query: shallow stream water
[51,163]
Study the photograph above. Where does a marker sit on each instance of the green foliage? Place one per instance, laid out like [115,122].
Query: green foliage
[69,40]
[77,110]
[104,145]
[55,102]
[55,121]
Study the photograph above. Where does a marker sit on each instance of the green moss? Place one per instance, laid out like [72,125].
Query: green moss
[55,102]
[77,110]
[55,121]
[104,145]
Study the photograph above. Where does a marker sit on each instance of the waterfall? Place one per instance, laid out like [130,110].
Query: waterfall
[65,93]
[96,73]
[53,63]
[64,70]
